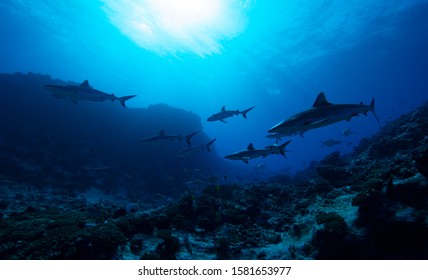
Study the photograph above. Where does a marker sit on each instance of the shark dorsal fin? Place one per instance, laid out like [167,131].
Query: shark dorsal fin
[321,101]
[85,84]
[250,147]
[162,132]
[223,109]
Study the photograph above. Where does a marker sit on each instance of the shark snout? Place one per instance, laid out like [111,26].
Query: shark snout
[274,129]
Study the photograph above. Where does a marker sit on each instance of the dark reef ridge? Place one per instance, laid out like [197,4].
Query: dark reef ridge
[45,140]
[369,204]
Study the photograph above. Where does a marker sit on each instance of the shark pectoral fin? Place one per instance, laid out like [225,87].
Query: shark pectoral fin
[223,121]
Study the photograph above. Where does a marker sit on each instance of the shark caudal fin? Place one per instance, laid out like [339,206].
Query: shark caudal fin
[123,99]
[188,137]
[372,108]
[282,148]
[209,144]
[244,113]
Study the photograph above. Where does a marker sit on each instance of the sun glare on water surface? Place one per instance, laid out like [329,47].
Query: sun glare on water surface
[178,26]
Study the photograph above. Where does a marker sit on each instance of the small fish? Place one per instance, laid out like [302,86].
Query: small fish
[330,142]
[347,132]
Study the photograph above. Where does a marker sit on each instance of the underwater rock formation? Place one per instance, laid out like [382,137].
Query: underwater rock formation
[49,141]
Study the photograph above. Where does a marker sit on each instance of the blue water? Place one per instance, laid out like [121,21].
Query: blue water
[276,55]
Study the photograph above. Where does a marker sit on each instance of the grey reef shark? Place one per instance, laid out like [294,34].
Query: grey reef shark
[84,92]
[321,114]
[252,153]
[224,114]
[163,137]
[192,151]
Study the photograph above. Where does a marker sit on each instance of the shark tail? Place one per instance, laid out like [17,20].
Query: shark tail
[282,148]
[244,113]
[209,144]
[372,108]
[188,137]
[123,99]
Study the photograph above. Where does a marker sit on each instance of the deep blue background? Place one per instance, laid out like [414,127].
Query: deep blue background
[288,53]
